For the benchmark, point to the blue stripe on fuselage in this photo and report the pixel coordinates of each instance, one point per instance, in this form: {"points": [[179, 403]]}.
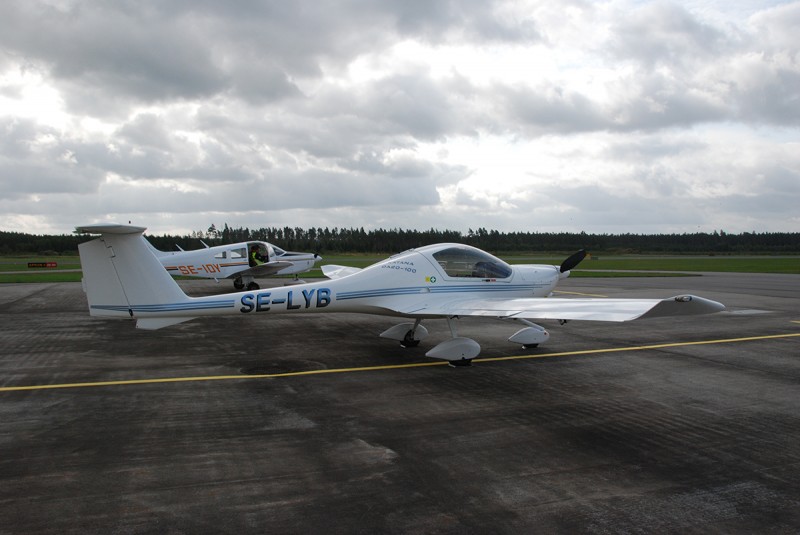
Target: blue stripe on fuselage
{"points": [[169, 307], [415, 290]]}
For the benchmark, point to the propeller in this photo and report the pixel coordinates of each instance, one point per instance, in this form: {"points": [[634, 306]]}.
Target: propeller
{"points": [[572, 261]]}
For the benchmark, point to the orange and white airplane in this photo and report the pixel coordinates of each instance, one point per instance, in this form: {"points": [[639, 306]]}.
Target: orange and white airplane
{"points": [[243, 262]]}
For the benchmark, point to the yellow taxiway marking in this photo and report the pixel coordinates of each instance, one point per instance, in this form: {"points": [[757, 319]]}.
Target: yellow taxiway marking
{"points": [[388, 367], [642, 348]]}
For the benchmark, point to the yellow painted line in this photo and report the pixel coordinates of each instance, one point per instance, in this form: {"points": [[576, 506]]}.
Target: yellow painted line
{"points": [[641, 348], [578, 293], [388, 367], [218, 377]]}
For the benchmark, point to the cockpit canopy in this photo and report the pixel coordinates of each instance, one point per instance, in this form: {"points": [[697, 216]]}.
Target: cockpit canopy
{"points": [[464, 261]]}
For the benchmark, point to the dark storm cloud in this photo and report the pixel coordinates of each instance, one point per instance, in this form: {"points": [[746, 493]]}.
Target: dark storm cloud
{"points": [[155, 51], [411, 104], [124, 50], [275, 192], [550, 110], [659, 101], [110, 53], [146, 130], [665, 34], [478, 19], [19, 135], [773, 94], [35, 161], [690, 72]]}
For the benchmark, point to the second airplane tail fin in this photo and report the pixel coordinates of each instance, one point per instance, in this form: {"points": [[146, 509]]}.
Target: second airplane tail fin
{"points": [[157, 252]]}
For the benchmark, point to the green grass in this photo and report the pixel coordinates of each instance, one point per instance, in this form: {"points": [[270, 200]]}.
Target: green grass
{"points": [[20, 263], [41, 277], [596, 266], [744, 264]]}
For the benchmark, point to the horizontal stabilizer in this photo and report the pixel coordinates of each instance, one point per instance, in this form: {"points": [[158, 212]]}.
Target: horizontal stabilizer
{"points": [[333, 271], [110, 228]]}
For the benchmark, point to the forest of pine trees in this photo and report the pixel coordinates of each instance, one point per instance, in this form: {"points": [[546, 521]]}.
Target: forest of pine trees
{"points": [[388, 241]]}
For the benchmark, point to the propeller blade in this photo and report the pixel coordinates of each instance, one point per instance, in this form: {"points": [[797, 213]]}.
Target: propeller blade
{"points": [[572, 261]]}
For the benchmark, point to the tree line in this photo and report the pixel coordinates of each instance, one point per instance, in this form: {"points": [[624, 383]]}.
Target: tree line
{"points": [[387, 241]]}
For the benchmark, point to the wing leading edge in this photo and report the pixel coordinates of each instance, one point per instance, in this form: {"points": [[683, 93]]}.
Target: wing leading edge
{"points": [[567, 309]]}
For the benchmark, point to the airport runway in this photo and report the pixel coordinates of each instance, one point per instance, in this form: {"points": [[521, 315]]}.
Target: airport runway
{"points": [[684, 425]]}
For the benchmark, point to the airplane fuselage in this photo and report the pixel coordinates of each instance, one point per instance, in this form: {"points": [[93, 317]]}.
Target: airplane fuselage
{"points": [[408, 292], [408, 282], [228, 261]]}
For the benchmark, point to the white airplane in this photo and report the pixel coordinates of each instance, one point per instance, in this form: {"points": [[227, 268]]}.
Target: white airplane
{"points": [[235, 261], [122, 279]]}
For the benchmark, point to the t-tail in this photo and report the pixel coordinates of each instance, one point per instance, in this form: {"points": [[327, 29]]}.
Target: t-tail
{"points": [[122, 278]]}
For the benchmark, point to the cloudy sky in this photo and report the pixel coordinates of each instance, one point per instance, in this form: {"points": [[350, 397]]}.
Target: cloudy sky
{"points": [[605, 117]]}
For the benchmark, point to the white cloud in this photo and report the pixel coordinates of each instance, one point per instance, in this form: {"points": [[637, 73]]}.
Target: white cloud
{"points": [[620, 116]]}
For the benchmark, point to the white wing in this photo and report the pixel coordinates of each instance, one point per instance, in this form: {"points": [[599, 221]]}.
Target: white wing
{"points": [[564, 309]]}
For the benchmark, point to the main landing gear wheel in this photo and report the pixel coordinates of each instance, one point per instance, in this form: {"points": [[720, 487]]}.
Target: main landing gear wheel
{"points": [[409, 341], [253, 286], [459, 363], [529, 346], [238, 284]]}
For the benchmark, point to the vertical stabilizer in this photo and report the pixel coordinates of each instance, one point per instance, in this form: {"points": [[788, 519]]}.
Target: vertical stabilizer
{"points": [[121, 275]]}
